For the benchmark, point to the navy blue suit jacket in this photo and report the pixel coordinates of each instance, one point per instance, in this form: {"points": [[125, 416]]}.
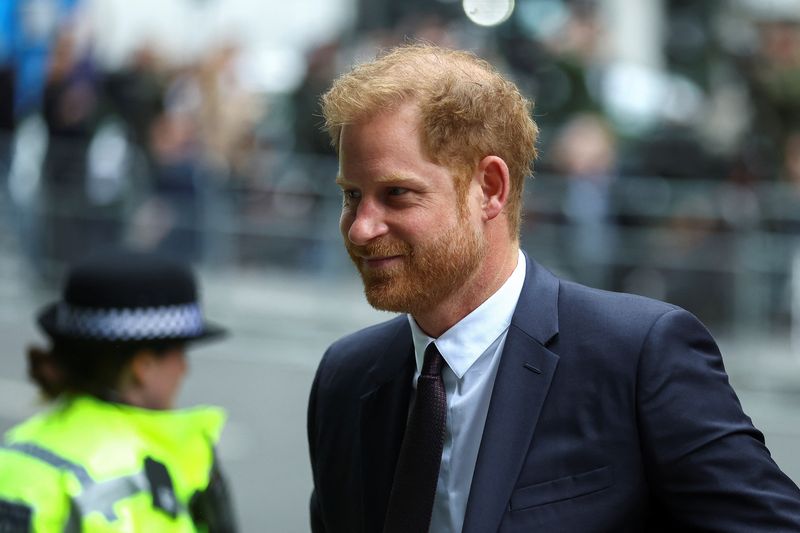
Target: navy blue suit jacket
{"points": [[610, 413]]}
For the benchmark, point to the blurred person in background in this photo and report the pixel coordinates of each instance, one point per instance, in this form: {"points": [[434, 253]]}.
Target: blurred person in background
{"points": [[71, 110], [505, 398], [112, 453], [135, 91], [170, 217], [309, 138], [584, 152]]}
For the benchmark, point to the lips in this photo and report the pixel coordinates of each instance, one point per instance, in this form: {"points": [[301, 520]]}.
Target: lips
{"points": [[381, 261]]}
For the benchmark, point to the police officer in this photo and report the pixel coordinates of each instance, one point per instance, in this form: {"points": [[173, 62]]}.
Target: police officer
{"points": [[111, 453]]}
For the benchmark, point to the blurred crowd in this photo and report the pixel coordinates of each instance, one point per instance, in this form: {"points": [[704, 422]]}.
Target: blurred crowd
{"points": [[154, 152], [150, 138]]}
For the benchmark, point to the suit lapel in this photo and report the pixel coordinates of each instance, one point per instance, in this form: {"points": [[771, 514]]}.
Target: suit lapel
{"points": [[520, 388], [384, 411]]}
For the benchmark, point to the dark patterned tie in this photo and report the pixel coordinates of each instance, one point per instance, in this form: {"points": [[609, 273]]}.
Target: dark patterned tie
{"points": [[414, 487]]}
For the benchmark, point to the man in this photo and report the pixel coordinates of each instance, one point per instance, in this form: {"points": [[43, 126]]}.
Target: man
{"points": [[565, 408]]}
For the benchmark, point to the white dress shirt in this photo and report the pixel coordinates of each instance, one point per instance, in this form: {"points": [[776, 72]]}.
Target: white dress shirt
{"points": [[471, 349]]}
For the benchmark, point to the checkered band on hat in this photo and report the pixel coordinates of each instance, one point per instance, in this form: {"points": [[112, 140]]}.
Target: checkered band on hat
{"points": [[147, 323]]}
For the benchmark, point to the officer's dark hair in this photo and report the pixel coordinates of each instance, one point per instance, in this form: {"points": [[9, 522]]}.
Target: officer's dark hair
{"points": [[85, 367]]}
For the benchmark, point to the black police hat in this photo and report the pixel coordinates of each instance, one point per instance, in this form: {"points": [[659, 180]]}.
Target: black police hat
{"points": [[128, 297]]}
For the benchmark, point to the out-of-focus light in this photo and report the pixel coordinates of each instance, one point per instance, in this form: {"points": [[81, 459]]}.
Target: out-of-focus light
{"points": [[29, 148], [271, 70], [639, 97], [488, 12], [108, 158]]}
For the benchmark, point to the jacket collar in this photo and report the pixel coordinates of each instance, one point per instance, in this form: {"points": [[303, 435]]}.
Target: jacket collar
{"points": [[537, 309]]}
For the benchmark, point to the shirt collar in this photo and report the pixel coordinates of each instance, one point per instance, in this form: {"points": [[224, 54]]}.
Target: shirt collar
{"points": [[469, 338]]}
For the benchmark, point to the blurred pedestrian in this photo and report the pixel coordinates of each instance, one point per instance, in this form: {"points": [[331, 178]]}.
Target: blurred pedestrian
{"points": [[504, 398], [112, 453], [585, 153]]}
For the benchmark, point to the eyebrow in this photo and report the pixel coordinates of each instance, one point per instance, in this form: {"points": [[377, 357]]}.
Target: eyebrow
{"points": [[393, 178]]}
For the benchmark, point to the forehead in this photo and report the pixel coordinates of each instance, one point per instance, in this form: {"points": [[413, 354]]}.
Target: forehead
{"points": [[395, 126], [384, 147]]}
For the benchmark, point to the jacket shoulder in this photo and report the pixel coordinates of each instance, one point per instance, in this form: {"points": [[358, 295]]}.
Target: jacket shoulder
{"points": [[360, 350], [613, 328], [581, 300]]}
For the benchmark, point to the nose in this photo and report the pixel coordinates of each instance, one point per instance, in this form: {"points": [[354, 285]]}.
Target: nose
{"points": [[365, 224]]}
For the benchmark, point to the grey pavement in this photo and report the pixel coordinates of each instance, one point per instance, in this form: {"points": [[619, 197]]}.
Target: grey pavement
{"points": [[281, 323]]}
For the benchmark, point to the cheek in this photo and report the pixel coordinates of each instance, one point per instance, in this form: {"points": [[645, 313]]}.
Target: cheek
{"points": [[345, 221], [183, 366], [175, 372]]}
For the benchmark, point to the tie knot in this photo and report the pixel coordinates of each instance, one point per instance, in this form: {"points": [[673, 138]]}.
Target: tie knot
{"points": [[433, 362]]}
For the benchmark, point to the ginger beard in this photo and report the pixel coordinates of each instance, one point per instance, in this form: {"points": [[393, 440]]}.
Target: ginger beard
{"points": [[429, 272]]}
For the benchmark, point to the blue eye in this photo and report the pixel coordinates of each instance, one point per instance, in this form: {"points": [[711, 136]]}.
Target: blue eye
{"points": [[397, 191]]}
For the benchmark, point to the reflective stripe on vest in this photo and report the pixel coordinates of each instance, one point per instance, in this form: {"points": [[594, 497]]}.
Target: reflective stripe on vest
{"points": [[96, 496], [54, 460]]}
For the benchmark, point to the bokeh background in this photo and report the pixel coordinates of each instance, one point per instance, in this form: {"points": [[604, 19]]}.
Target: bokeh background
{"points": [[670, 167]]}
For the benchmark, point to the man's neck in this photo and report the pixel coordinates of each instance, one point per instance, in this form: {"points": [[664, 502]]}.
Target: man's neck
{"points": [[485, 281]]}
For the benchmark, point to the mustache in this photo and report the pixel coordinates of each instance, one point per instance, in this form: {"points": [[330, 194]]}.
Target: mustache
{"points": [[380, 248]]}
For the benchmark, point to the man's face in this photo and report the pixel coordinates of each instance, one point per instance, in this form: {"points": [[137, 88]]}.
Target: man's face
{"points": [[401, 219]]}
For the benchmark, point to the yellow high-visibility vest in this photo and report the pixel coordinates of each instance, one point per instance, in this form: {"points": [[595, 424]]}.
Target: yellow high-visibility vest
{"points": [[94, 466]]}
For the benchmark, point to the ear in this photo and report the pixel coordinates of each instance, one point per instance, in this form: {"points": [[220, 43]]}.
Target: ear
{"points": [[495, 182]]}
